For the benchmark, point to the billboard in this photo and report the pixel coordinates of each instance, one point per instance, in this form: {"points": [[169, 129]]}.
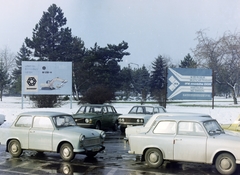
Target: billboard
{"points": [[46, 78], [189, 84]]}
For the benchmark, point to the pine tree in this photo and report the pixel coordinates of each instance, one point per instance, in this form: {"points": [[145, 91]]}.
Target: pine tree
{"points": [[158, 80], [188, 62], [50, 41], [22, 55]]}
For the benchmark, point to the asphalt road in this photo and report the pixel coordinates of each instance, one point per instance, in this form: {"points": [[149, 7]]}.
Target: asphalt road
{"points": [[113, 161]]}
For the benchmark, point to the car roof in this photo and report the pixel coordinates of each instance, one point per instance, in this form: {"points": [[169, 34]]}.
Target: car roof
{"points": [[183, 116], [96, 105], [44, 113], [148, 106]]}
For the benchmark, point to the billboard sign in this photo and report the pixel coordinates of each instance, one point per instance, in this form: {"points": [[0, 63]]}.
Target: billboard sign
{"points": [[189, 84], [46, 78]]}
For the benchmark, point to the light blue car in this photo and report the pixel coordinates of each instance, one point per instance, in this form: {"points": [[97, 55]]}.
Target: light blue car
{"points": [[51, 132]]}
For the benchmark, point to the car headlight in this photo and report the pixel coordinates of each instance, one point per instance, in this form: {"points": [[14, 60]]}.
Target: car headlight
{"points": [[103, 135], [140, 120], [82, 137], [88, 120], [121, 120]]}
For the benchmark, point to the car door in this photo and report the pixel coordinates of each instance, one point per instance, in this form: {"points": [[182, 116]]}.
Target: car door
{"points": [[106, 118], [190, 142], [40, 135]]}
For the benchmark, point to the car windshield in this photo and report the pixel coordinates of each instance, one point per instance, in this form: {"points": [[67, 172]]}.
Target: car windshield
{"points": [[212, 127], [64, 120]]}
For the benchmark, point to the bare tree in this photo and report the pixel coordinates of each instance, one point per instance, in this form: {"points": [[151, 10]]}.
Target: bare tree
{"points": [[222, 56], [8, 59]]}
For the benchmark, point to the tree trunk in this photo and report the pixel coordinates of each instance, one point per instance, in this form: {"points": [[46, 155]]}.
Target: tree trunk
{"points": [[234, 96]]}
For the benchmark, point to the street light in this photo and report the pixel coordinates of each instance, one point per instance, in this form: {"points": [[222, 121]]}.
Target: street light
{"points": [[133, 64]]}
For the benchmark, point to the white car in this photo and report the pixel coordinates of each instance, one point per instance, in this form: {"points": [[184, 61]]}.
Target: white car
{"points": [[138, 115], [2, 119], [45, 131], [186, 138], [147, 126]]}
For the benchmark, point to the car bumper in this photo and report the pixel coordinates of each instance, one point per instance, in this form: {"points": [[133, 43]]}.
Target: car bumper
{"points": [[125, 125], [97, 148]]}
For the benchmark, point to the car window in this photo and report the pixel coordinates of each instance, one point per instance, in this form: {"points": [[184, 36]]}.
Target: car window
{"points": [[165, 127], [161, 110], [190, 128], [149, 110], [110, 109], [64, 120], [42, 122], [156, 110], [104, 109], [24, 121], [140, 110]]}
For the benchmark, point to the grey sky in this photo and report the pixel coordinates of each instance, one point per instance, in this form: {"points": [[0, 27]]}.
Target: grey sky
{"points": [[150, 27]]}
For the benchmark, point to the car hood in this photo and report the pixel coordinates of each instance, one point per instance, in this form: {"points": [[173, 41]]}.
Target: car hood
{"points": [[86, 115], [134, 115], [79, 130]]}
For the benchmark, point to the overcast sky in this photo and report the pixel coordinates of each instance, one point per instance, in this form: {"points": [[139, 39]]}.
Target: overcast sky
{"points": [[150, 27]]}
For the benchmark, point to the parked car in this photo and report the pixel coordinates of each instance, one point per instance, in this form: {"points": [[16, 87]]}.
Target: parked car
{"points": [[235, 126], [2, 119], [138, 115], [189, 139], [147, 126], [51, 132], [98, 116]]}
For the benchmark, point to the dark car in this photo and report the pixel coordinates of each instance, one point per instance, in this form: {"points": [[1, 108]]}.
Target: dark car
{"points": [[98, 116]]}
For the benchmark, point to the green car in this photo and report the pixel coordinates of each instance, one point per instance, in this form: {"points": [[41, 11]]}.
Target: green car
{"points": [[97, 116]]}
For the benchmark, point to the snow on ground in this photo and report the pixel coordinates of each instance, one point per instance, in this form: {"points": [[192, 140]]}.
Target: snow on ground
{"points": [[12, 106]]}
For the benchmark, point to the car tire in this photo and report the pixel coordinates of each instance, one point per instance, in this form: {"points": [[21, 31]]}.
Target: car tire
{"points": [[225, 163], [154, 158], [115, 126], [122, 129], [91, 154], [98, 125], [14, 148], [66, 152]]}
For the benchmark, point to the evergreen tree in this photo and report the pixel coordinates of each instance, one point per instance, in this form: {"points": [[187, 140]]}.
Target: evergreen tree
{"points": [[4, 79], [100, 67], [141, 81], [22, 55], [158, 80], [188, 62], [50, 41]]}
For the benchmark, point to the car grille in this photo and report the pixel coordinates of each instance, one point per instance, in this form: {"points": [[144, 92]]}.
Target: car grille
{"points": [[130, 120], [92, 141], [79, 120]]}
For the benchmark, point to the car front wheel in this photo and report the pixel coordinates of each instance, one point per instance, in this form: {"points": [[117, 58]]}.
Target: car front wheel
{"points": [[154, 158], [14, 148], [225, 163], [66, 152]]}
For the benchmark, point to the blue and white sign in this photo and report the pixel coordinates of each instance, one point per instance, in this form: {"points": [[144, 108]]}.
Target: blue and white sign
{"points": [[189, 84], [46, 78]]}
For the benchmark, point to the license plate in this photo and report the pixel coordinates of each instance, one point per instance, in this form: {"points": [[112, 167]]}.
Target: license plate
{"points": [[95, 149]]}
